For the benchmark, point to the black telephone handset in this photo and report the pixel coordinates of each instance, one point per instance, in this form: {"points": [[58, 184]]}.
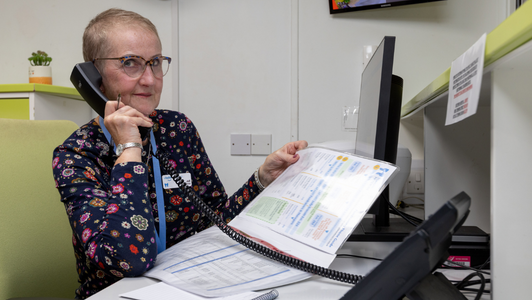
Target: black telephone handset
{"points": [[87, 80]]}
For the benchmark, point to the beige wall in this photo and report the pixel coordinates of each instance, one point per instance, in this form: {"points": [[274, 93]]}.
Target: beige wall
{"points": [[56, 26], [282, 67]]}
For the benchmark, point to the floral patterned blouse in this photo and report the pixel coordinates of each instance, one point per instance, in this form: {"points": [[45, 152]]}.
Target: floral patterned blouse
{"points": [[113, 209]]}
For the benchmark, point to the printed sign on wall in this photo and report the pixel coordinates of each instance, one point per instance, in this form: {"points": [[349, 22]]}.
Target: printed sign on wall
{"points": [[465, 82]]}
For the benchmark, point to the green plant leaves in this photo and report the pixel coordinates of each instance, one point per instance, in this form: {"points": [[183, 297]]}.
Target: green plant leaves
{"points": [[40, 58]]}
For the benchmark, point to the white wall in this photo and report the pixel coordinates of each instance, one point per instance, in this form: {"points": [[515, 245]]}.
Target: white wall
{"points": [[429, 37], [235, 76], [56, 27], [241, 61], [283, 67]]}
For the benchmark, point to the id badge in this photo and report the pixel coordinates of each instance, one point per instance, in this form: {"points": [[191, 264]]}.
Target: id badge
{"points": [[169, 183]]}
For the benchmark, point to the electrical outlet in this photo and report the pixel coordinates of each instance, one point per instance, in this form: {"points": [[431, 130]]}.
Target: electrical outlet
{"points": [[416, 182], [240, 144], [261, 144]]}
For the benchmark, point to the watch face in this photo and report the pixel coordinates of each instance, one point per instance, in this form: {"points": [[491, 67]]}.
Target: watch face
{"points": [[119, 149]]}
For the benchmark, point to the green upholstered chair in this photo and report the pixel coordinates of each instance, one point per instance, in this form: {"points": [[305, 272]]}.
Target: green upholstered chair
{"points": [[36, 254]]}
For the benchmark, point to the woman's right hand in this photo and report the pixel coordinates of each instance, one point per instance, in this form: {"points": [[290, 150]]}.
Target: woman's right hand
{"points": [[122, 124]]}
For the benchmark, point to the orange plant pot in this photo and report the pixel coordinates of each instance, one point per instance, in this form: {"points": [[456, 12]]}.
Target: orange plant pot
{"points": [[40, 74]]}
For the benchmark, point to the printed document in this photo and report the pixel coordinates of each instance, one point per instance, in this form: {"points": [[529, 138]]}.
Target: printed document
{"points": [[308, 213], [465, 82], [319, 200], [211, 264]]}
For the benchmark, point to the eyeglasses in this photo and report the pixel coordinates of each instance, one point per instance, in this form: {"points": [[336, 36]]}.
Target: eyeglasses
{"points": [[134, 66]]}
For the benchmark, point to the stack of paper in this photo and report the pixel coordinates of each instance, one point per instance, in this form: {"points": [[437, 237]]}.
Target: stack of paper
{"points": [[307, 213]]}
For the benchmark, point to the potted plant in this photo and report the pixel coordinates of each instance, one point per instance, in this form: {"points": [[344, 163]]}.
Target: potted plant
{"points": [[40, 70]]}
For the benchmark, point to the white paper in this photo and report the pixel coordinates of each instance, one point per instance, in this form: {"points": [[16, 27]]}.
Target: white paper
{"points": [[464, 83], [282, 243], [307, 213], [320, 200], [163, 291], [211, 264]]}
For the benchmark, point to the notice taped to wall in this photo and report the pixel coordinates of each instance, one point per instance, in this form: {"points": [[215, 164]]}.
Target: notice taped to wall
{"points": [[464, 83]]}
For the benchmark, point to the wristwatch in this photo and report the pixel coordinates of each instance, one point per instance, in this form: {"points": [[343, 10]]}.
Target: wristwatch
{"points": [[121, 147]]}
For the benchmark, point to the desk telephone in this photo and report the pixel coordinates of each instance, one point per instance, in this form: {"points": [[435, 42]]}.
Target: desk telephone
{"points": [[87, 81]]}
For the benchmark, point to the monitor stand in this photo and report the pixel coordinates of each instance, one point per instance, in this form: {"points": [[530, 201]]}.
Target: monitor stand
{"points": [[381, 228], [366, 231]]}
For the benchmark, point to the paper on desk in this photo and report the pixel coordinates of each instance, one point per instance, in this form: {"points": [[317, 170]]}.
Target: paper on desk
{"points": [[319, 200], [211, 264], [163, 291], [308, 213], [282, 243]]}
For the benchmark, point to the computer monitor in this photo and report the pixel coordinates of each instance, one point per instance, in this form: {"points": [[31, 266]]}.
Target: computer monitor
{"points": [[378, 135], [342, 6], [408, 270]]}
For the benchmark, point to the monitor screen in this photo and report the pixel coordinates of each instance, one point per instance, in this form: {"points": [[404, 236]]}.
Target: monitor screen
{"points": [[378, 133], [379, 106], [341, 6], [369, 96]]}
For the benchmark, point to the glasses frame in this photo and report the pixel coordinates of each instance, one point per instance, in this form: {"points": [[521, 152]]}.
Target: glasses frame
{"points": [[146, 62]]}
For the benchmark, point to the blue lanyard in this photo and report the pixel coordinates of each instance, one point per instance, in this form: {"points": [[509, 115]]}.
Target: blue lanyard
{"points": [[161, 236]]}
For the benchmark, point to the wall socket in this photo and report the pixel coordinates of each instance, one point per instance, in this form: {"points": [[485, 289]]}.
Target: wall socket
{"points": [[240, 144], [416, 182]]}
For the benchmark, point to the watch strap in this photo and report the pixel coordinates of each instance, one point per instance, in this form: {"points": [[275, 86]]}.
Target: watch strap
{"points": [[121, 147]]}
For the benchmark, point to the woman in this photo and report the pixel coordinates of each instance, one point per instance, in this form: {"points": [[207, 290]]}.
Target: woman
{"points": [[111, 196]]}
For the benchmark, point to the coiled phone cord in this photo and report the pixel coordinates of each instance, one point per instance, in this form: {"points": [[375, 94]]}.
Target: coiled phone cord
{"points": [[216, 219]]}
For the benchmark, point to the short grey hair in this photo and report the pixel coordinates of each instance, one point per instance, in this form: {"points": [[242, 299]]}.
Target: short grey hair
{"points": [[95, 37]]}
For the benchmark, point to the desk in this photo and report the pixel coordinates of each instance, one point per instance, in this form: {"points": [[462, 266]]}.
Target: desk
{"points": [[314, 288], [481, 155]]}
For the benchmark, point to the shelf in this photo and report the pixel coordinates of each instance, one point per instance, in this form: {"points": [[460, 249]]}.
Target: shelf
{"points": [[513, 32], [43, 88]]}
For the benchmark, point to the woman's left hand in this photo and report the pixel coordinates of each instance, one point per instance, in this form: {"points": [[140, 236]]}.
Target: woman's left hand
{"points": [[278, 161]]}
